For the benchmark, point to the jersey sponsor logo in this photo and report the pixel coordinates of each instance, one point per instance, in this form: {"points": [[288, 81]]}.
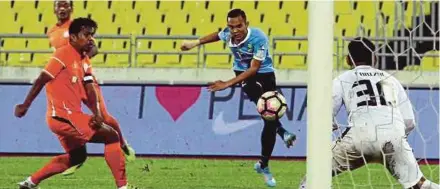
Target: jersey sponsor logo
{"points": [[86, 67], [250, 48], [220, 127], [260, 53]]}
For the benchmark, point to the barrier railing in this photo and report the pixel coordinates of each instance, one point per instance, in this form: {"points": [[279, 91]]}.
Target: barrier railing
{"points": [[339, 50]]}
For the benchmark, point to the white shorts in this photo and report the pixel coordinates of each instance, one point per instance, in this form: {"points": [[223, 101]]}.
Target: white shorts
{"points": [[389, 148]]}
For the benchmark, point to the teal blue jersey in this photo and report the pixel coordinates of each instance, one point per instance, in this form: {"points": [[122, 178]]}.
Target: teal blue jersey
{"points": [[254, 46]]}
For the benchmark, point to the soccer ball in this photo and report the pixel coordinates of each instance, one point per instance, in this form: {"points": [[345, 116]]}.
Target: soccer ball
{"points": [[271, 105]]}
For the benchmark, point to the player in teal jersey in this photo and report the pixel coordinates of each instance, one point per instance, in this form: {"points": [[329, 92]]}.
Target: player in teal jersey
{"points": [[253, 67]]}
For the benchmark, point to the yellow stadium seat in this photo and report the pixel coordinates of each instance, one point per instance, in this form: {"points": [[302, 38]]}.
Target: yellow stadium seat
{"points": [[177, 22], [292, 62], [3, 61], [122, 6], [7, 14], [345, 26], [219, 61], [169, 6], [162, 18], [431, 61], [24, 6], [44, 6], [5, 6], [146, 7], [143, 60], [41, 59], [11, 27], [219, 6], [273, 5], [220, 10], [191, 61], [194, 6], [343, 7], [299, 7], [246, 6]]}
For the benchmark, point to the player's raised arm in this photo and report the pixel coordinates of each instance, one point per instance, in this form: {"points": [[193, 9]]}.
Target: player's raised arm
{"points": [[189, 44], [51, 70]]}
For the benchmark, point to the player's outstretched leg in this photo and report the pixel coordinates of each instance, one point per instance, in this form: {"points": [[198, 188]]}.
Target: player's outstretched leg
{"points": [[112, 153], [288, 137], [254, 92], [57, 165]]}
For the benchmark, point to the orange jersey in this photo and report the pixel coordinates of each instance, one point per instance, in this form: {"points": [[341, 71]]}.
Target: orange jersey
{"points": [[59, 35], [66, 90]]}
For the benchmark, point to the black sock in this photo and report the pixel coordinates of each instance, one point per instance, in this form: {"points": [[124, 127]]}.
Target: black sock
{"points": [[281, 131], [268, 138], [264, 162]]}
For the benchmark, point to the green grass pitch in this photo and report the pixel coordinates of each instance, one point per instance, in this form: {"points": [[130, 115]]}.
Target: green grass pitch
{"points": [[167, 173]]}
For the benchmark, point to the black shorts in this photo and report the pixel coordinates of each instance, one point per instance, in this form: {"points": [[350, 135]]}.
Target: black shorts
{"points": [[258, 84]]}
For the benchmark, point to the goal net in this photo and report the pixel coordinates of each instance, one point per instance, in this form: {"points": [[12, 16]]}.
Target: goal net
{"points": [[406, 36]]}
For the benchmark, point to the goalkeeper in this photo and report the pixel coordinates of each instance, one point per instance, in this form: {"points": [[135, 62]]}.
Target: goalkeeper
{"points": [[380, 118]]}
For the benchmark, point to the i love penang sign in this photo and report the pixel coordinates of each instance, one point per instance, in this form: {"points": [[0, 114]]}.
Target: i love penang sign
{"points": [[189, 120]]}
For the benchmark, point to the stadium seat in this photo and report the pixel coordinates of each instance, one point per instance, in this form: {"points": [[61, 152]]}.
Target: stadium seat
{"points": [[430, 62], [187, 18]]}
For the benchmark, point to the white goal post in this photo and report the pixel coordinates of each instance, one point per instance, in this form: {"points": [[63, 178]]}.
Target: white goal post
{"points": [[319, 94]]}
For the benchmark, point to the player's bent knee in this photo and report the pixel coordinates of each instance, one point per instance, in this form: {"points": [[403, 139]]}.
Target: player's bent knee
{"points": [[78, 156], [105, 134], [109, 134]]}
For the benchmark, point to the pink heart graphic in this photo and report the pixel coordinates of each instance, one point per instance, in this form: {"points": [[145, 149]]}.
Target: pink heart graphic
{"points": [[176, 100]]}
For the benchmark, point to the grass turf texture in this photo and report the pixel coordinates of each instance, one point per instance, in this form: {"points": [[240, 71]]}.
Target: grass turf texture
{"points": [[192, 173]]}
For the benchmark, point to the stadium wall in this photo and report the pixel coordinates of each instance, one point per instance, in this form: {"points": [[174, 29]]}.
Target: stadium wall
{"points": [[159, 118]]}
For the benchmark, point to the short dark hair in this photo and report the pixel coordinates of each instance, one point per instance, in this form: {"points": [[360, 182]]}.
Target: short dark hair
{"points": [[78, 23], [236, 13], [55, 3], [361, 50]]}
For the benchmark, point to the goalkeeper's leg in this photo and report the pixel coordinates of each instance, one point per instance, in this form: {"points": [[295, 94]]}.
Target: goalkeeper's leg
{"points": [[401, 163], [345, 157]]}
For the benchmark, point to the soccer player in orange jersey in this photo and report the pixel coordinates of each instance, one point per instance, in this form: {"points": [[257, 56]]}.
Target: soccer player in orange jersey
{"points": [[59, 37], [67, 83]]}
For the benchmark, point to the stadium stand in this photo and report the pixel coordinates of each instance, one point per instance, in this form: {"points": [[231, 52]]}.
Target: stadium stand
{"points": [[196, 18]]}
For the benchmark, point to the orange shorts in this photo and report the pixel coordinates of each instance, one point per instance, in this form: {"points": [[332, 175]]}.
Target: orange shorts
{"points": [[73, 130]]}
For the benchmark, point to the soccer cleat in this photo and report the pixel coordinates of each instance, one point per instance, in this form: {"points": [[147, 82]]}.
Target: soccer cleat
{"points": [[71, 170], [268, 178], [130, 154], [289, 139], [302, 185], [27, 184]]}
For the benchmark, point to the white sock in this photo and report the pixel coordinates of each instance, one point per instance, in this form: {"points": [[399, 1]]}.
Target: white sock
{"points": [[29, 180], [123, 187], [303, 184], [429, 185]]}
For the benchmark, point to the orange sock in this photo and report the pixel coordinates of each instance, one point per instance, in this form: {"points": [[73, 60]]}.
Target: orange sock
{"points": [[115, 160], [58, 164]]}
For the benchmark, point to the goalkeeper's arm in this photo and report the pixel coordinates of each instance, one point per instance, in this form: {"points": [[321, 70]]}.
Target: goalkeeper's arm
{"points": [[189, 44], [406, 109], [337, 101]]}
